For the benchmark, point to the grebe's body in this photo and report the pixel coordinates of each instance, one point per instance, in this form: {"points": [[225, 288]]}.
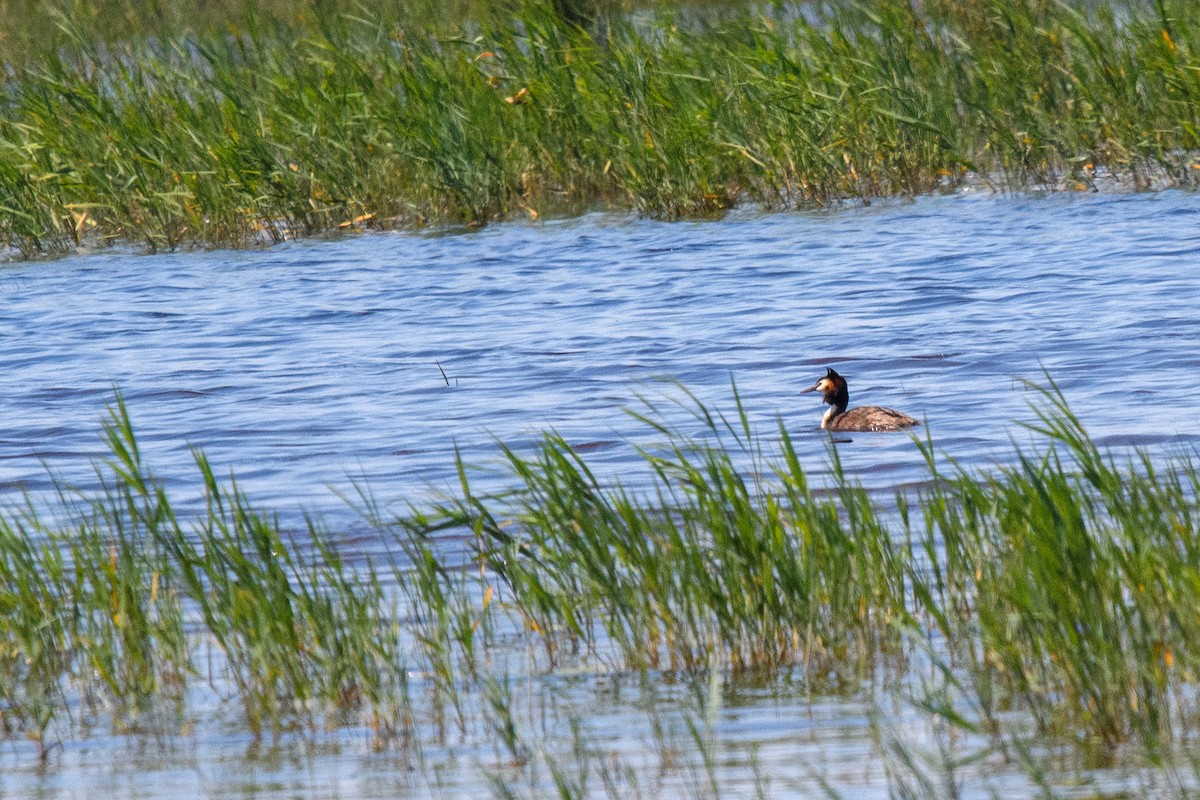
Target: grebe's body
{"points": [[864, 418]]}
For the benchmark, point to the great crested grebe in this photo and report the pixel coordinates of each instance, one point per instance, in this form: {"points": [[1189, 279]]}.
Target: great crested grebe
{"points": [[863, 418]]}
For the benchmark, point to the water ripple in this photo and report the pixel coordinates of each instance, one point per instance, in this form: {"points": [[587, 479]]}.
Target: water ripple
{"points": [[376, 355]]}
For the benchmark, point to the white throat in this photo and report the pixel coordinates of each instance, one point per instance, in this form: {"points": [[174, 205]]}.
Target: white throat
{"points": [[830, 413]]}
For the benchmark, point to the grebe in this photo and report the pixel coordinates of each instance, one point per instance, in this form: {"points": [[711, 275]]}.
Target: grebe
{"points": [[863, 418]]}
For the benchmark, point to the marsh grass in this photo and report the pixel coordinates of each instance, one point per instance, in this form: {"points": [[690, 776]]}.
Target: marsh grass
{"points": [[1067, 582], [1056, 595], [120, 607], [1061, 588], [274, 126], [710, 570]]}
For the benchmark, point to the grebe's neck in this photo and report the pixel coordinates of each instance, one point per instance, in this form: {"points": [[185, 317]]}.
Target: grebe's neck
{"points": [[830, 413], [837, 399]]}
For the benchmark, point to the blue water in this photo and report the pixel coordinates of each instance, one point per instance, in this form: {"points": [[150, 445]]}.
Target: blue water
{"points": [[311, 365], [308, 367]]}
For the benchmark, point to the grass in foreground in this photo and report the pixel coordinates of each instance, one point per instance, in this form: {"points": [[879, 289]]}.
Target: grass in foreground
{"points": [[279, 127], [1059, 593]]}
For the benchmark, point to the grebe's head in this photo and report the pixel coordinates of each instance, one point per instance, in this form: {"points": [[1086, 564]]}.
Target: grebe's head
{"points": [[832, 388]]}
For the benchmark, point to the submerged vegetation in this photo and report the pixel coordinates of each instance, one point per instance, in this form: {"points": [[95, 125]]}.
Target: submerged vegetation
{"points": [[264, 126], [1053, 601]]}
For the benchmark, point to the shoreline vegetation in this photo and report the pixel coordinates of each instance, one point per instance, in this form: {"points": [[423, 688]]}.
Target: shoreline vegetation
{"points": [[131, 125], [1041, 616]]}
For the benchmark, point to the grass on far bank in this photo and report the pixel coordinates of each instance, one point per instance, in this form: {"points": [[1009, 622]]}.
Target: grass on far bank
{"points": [[274, 127]]}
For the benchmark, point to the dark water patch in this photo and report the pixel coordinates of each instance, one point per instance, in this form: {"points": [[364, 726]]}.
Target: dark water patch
{"points": [[593, 447]]}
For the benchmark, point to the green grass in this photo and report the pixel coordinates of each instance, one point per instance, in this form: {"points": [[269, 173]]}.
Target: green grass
{"points": [[107, 608], [1046, 603], [711, 571], [273, 125], [1064, 586], [1078, 577]]}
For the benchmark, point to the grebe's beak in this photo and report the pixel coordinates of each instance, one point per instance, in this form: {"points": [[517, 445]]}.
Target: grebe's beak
{"points": [[812, 388]]}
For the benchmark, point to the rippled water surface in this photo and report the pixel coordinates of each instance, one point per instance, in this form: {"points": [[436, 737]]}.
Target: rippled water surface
{"points": [[303, 365], [307, 367]]}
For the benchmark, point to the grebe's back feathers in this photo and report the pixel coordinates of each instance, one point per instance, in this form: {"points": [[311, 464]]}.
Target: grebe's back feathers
{"points": [[871, 418]]}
